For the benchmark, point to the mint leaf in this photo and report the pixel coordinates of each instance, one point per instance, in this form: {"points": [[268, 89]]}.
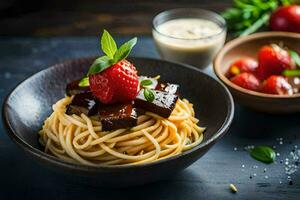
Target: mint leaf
{"points": [[100, 64], [108, 44], [146, 82], [124, 50], [263, 153], [84, 82], [149, 95], [291, 72], [295, 56]]}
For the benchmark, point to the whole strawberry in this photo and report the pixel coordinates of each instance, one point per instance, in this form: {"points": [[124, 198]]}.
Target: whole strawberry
{"points": [[245, 64], [246, 80], [112, 78], [277, 85], [118, 83], [273, 60]]}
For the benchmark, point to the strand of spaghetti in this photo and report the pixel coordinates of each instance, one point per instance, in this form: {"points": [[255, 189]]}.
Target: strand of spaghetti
{"points": [[70, 149], [143, 125], [140, 140], [107, 137], [75, 121], [93, 153], [51, 135], [124, 156], [90, 126], [157, 150], [134, 150], [63, 157], [129, 136]]}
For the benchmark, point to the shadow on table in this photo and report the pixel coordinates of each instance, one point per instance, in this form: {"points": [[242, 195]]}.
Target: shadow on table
{"points": [[251, 124]]}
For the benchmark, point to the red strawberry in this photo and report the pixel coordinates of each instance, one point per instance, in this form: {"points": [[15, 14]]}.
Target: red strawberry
{"points": [[118, 83], [246, 80], [272, 61], [277, 85], [242, 65]]}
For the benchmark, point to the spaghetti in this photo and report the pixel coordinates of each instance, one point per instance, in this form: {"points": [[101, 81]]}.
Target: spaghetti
{"points": [[79, 139]]}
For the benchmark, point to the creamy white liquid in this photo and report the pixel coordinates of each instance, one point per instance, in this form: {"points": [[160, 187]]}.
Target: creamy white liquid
{"points": [[189, 28], [189, 40]]}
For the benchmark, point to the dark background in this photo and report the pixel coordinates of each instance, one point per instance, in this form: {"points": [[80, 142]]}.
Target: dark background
{"points": [[88, 17]]}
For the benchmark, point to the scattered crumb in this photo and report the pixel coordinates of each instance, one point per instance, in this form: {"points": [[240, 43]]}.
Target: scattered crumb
{"points": [[233, 188]]}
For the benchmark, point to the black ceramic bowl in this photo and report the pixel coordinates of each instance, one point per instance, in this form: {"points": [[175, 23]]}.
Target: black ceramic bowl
{"points": [[29, 104]]}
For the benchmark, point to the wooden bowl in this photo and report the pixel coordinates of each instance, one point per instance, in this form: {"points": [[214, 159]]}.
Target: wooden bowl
{"points": [[29, 104], [249, 46]]}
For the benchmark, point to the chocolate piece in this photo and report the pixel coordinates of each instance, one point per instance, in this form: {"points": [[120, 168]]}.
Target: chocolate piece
{"points": [[73, 88], [168, 87], [83, 103], [117, 116], [163, 104]]}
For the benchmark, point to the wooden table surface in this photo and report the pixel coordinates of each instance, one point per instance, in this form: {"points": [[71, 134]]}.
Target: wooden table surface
{"points": [[208, 178], [88, 17]]}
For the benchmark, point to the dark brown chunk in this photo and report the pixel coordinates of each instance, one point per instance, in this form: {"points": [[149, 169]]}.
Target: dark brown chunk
{"points": [[117, 116], [73, 88], [83, 103], [168, 87], [163, 104]]}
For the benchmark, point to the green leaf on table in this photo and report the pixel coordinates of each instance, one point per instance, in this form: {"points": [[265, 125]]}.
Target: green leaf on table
{"points": [[124, 50], [100, 64], [108, 44], [291, 72], [263, 153], [149, 95], [295, 56], [84, 82]]}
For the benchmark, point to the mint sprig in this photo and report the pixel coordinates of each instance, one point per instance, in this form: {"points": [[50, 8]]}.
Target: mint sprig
{"points": [[124, 50], [113, 55], [291, 72], [84, 82], [100, 64], [146, 82], [295, 56], [108, 44], [149, 95]]}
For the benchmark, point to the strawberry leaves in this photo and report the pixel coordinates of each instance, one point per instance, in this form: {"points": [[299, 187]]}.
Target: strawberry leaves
{"points": [[84, 82], [124, 50], [100, 64], [108, 44], [113, 55]]}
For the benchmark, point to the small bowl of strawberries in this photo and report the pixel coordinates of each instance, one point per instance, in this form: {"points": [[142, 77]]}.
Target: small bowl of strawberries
{"points": [[262, 71]]}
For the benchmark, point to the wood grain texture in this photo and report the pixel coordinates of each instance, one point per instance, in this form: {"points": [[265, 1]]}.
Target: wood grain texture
{"points": [[53, 18], [208, 178]]}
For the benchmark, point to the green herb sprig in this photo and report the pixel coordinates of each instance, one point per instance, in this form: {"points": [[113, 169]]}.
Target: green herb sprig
{"points": [[149, 95], [247, 16], [293, 72], [146, 82], [113, 55], [264, 154]]}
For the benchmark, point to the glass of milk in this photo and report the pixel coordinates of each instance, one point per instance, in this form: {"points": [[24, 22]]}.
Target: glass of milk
{"points": [[189, 35]]}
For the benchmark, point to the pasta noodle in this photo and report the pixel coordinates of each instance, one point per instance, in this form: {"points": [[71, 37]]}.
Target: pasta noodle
{"points": [[79, 139]]}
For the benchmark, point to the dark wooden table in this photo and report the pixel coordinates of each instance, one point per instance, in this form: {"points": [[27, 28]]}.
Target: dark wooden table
{"points": [[88, 17], [208, 178]]}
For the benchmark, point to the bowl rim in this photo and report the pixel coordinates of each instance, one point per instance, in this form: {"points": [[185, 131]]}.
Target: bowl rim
{"points": [[85, 168], [201, 11], [240, 40]]}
